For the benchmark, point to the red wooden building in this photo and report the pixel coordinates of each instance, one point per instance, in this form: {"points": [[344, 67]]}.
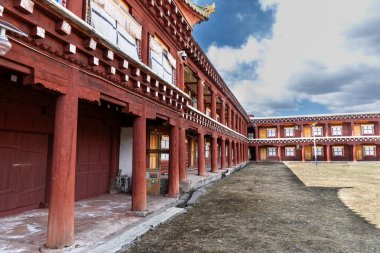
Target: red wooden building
{"points": [[101, 88], [338, 137]]}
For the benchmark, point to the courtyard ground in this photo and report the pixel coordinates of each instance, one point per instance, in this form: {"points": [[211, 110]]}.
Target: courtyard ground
{"points": [[359, 183], [264, 208]]}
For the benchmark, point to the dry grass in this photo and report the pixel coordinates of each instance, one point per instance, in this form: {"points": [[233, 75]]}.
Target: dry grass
{"points": [[362, 179]]}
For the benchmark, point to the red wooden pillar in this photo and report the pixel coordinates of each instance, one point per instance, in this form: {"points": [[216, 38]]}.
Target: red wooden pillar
{"points": [[278, 131], [223, 155], [223, 112], [180, 76], [352, 125], [182, 155], [201, 155], [328, 151], [257, 153], [139, 164], [327, 132], [214, 154], [279, 153], [173, 188], [229, 117], [354, 153], [303, 153], [200, 99], [114, 162], [229, 153], [62, 194], [236, 153], [213, 105]]}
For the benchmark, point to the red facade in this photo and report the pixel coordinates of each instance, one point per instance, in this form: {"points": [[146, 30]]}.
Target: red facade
{"points": [[78, 96], [338, 137]]}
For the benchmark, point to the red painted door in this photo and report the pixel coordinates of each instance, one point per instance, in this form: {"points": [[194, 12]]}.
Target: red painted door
{"points": [[93, 158], [23, 162]]}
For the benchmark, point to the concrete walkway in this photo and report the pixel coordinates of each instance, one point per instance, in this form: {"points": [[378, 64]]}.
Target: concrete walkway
{"points": [[264, 208], [99, 222]]}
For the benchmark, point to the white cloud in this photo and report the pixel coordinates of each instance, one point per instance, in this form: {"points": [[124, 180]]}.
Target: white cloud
{"points": [[320, 50]]}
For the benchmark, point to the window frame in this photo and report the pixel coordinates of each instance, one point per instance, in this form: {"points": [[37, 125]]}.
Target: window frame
{"points": [[272, 151], [317, 128], [320, 151], [293, 149], [335, 149], [340, 127], [271, 130], [373, 151], [292, 132], [363, 126]]}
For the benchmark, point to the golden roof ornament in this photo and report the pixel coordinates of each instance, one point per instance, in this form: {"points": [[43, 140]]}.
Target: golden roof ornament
{"points": [[210, 9]]}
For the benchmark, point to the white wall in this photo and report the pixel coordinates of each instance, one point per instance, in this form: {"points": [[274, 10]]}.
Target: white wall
{"points": [[126, 148]]}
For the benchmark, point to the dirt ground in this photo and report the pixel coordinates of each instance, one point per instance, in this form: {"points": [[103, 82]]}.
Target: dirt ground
{"points": [[264, 208], [360, 184]]}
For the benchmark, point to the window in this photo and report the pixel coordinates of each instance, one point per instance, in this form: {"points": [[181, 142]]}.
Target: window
{"points": [[289, 151], [271, 132], [317, 131], [272, 151], [165, 146], [319, 151], [161, 61], [369, 150], [207, 149], [336, 130], [367, 129], [113, 20], [338, 151], [208, 111], [289, 131]]}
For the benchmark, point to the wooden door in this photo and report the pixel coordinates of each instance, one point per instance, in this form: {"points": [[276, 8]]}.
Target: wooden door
{"points": [[359, 153], [93, 157], [308, 155], [262, 133], [153, 145], [193, 158], [357, 130], [307, 131], [263, 154], [23, 163]]}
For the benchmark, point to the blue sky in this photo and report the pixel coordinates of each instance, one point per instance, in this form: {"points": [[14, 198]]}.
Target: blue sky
{"points": [[296, 56]]}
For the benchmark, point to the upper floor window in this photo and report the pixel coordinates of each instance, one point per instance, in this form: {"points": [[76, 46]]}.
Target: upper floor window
{"points": [[208, 111], [289, 131], [318, 151], [207, 149], [271, 132], [368, 129], [161, 61], [113, 20], [369, 150], [165, 146], [317, 131], [338, 151], [251, 135], [289, 151], [336, 130], [272, 151]]}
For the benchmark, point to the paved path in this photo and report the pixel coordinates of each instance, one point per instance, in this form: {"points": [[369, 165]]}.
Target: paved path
{"points": [[264, 208]]}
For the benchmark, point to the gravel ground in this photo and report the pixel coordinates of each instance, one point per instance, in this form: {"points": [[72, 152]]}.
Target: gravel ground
{"points": [[264, 208]]}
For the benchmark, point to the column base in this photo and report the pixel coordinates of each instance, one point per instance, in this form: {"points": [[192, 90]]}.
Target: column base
{"points": [[136, 213], [172, 195], [45, 249]]}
